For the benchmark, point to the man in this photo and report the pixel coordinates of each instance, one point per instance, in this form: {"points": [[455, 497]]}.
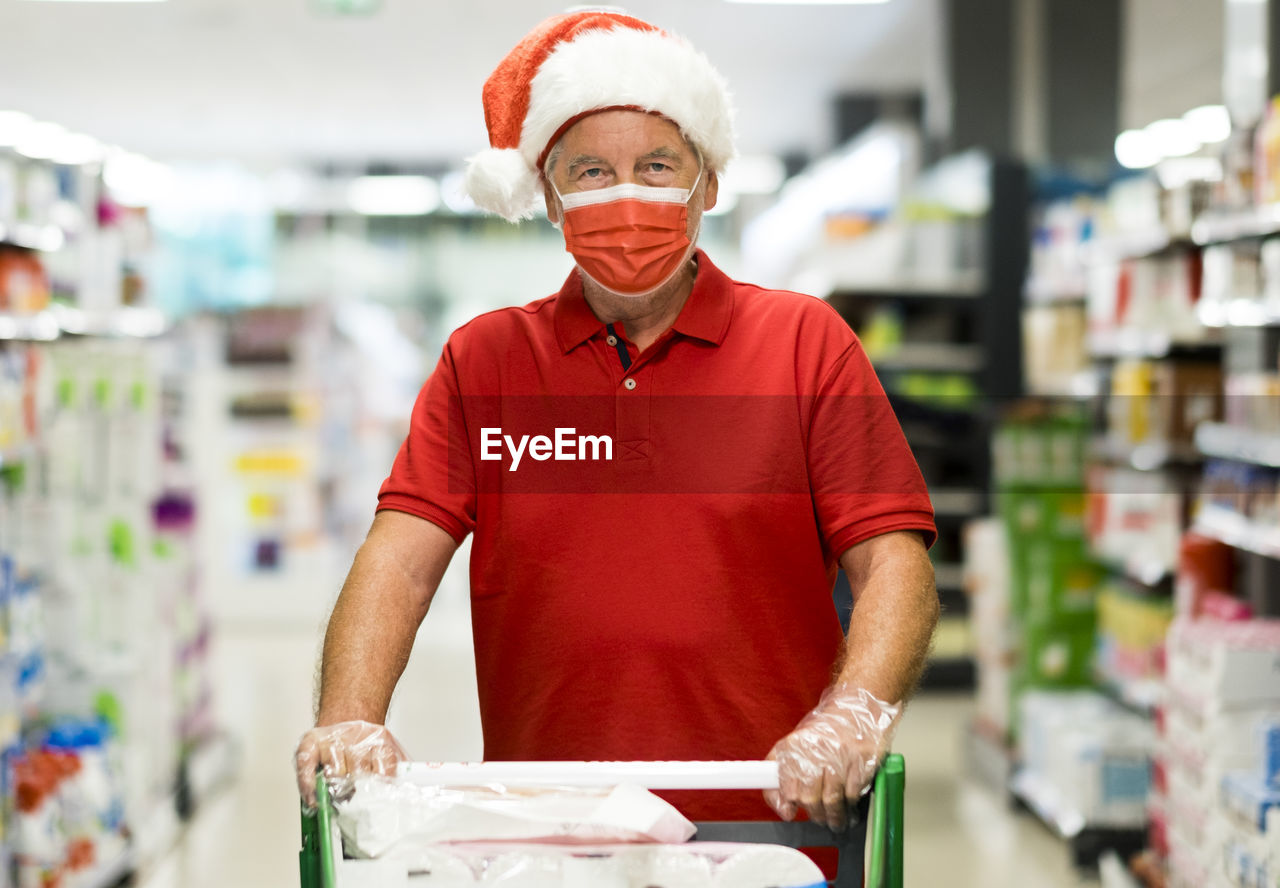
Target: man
{"points": [[653, 578]]}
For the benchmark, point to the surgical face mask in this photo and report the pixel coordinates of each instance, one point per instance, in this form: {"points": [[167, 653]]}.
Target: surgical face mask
{"points": [[629, 239]]}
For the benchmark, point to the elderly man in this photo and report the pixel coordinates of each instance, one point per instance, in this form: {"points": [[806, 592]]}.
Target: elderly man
{"points": [[662, 469]]}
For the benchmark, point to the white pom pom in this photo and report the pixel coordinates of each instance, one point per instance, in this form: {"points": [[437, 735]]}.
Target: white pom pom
{"points": [[501, 181]]}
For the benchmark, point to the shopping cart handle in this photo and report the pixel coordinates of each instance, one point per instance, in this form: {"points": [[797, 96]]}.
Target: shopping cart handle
{"points": [[650, 775]]}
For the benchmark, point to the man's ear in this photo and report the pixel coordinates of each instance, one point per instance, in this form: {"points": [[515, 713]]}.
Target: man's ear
{"points": [[549, 197], [712, 192]]}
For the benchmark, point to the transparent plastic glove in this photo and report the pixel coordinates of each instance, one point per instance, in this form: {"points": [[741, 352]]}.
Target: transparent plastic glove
{"points": [[344, 750], [829, 760]]}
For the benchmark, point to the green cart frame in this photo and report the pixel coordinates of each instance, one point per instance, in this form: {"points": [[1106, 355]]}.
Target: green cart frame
{"points": [[880, 813]]}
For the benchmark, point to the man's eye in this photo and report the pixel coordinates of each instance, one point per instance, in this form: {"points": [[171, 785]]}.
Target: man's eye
{"points": [[592, 173], [657, 167]]}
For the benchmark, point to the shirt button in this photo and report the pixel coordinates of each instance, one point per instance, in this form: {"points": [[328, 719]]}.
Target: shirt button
{"points": [[630, 384], [612, 340]]}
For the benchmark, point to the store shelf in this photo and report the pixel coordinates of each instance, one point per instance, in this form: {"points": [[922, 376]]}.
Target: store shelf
{"points": [[1131, 342], [1084, 385], [930, 357], [1146, 457], [61, 320], [115, 872], [842, 273], [957, 501], [1140, 696], [987, 758], [45, 238], [40, 327], [1139, 244], [1217, 228], [1238, 443], [1142, 570], [208, 769], [949, 674], [1046, 803], [127, 321], [1047, 292], [1235, 530], [1238, 312]]}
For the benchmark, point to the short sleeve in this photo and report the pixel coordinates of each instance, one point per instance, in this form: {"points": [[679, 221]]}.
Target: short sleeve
{"points": [[864, 478], [433, 477]]}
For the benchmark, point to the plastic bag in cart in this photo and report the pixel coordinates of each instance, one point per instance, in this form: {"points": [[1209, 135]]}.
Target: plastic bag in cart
{"points": [[383, 813]]}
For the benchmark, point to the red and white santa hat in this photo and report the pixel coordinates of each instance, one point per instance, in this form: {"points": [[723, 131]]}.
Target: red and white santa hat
{"points": [[575, 64]]}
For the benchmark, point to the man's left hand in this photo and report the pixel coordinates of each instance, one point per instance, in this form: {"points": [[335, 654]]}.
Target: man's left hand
{"points": [[825, 764]]}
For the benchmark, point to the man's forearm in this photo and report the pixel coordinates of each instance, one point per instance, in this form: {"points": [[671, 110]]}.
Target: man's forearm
{"points": [[894, 615], [376, 618]]}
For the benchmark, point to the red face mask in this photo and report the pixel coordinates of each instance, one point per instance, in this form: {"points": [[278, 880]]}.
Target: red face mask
{"points": [[629, 239]]}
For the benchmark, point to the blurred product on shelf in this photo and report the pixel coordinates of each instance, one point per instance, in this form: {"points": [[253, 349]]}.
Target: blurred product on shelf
{"points": [[1135, 520], [24, 285], [1222, 706], [68, 808], [1129, 658], [1084, 759], [1206, 571], [1159, 404], [1055, 358], [1038, 460], [104, 670], [987, 585]]}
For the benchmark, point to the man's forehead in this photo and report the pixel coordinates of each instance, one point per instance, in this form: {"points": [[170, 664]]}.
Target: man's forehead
{"points": [[641, 131]]}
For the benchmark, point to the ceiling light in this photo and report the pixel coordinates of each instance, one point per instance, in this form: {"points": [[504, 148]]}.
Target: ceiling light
{"points": [[1172, 138], [76, 148], [1136, 150], [811, 2], [1209, 123], [134, 180], [1178, 171], [13, 126], [393, 195], [41, 140]]}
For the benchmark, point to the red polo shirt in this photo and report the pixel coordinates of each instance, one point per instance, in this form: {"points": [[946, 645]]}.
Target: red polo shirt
{"points": [[665, 595]]}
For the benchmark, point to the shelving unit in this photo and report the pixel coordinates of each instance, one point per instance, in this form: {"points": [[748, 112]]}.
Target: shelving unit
{"points": [[973, 316], [1087, 841], [1238, 443], [1237, 531]]}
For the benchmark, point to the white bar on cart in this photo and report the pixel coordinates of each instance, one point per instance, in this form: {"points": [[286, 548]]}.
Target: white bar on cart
{"points": [[650, 775]]}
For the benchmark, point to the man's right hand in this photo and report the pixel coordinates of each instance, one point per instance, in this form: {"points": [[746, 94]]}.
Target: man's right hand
{"points": [[345, 749]]}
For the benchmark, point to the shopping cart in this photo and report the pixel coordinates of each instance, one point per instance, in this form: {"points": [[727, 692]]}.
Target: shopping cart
{"points": [[880, 814]]}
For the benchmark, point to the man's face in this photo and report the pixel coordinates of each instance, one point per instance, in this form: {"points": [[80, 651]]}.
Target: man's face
{"points": [[620, 147]]}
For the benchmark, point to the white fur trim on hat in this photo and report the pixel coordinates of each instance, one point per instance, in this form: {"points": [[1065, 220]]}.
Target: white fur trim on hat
{"points": [[624, 66], [603, 68], [501, 181]]}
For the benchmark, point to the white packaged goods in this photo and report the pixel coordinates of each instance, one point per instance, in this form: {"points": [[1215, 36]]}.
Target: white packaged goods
{"points": [[1223, 705], [385, 815], [696, 865], [1218, 665], [1093, 756]]}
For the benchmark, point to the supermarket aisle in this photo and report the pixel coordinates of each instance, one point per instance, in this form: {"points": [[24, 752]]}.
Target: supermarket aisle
{"points": [[958, 834]]}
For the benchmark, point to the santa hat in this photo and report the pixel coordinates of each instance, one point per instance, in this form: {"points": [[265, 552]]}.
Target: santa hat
{"points": [[572, 65]]}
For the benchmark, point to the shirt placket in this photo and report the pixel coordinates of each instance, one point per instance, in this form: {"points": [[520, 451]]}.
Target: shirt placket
{"points": [[633, 389]]}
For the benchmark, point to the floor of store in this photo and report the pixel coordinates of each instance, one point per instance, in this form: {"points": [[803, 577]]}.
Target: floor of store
{"points": [[957, 832]]}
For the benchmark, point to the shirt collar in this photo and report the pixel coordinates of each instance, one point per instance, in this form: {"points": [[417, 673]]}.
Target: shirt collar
{"points": [[705, 315]]}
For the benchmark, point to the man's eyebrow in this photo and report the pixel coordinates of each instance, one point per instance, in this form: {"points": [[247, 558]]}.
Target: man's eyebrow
{"points": [[579, 159], [668, 153]]}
